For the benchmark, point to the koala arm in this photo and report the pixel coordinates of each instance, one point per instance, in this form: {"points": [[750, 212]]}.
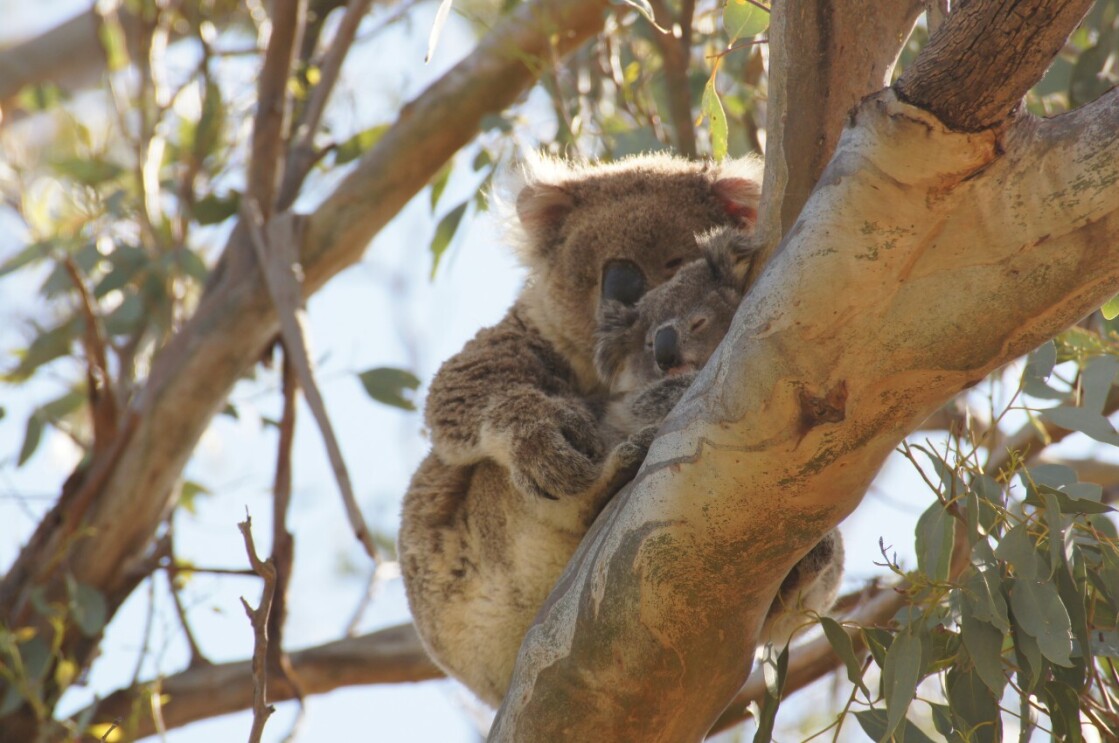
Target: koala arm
{"points": [[509, 396]]}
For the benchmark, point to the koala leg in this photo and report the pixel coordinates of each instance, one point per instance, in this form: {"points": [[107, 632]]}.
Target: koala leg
{"points": [[811, 585]]}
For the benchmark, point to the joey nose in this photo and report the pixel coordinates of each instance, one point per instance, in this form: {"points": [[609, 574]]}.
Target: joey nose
{"points": [[666, 348]]}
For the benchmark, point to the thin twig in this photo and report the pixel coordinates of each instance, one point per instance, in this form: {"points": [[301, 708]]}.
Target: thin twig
{"points": [[302, 154], [259, 619], [278, 262], [283, 544]]}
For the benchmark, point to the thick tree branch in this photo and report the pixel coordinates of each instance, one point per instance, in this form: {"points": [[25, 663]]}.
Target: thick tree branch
{"points": [[824, 58], [792, 418], [952, 77], [388, 656]]}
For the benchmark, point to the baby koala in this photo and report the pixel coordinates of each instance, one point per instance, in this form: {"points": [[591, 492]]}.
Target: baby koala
{"points": [[649, 353]]}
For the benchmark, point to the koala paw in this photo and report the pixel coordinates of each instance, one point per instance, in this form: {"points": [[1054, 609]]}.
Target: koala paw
{"points": [[557, 455], [628, 456]]}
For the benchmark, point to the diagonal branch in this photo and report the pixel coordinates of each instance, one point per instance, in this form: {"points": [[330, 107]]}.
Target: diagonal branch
{"points": [[951, 79]]}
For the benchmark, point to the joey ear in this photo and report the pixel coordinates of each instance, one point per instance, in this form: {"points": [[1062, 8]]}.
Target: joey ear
{"points": [[740, 198], [730, 253], [542, 208]]}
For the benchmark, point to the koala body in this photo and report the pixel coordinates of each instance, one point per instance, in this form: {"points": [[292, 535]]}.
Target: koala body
{"points": [[649, 354], [521, 462]]}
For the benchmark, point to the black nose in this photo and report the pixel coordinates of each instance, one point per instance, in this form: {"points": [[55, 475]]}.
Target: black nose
{"points": [[666, 348]]}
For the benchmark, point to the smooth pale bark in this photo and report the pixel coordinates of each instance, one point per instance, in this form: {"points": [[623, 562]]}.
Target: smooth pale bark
{"points": [[924, 260], [824, 59]]}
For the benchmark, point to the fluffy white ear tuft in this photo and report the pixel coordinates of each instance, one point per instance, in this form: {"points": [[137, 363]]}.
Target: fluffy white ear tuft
{"points": [[740, 198]]}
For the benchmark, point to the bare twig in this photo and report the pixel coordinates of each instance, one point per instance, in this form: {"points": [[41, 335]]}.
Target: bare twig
{"points": [[269, 126], [259, 618], [283, 544], [277, 255], [676, 57], [302, 154]]}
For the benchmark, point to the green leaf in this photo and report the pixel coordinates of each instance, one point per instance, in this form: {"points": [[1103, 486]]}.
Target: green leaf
{"points": [[1087, 422], [936, 537], [356, 146], [1038, 368], [900, 675], [444, 231], [773, 670], [87, 171], [874, 723], [1110, 310], [126, 317], [984, 645], [1064, 711], [34, 252], [1028, 658], [742, 19], [1096, 378], [439, 183], [388, 386], [982, 596], [645, 8], [214, 209], [878, 642], [46, 347], [974, 707], [1039, 611], [1020, 550], [712, 109], [845, 649], [87, 606], [189, 493], [31, 438], [113, 42]]}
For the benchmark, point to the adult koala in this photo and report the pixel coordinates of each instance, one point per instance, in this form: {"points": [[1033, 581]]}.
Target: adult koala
{"points": [[519, 465]]}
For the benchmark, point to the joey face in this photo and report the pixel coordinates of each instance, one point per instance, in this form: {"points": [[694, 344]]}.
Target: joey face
{"points": [[675, 327]]}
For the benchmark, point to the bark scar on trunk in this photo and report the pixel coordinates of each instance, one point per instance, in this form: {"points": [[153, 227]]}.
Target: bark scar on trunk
{"points": [[831, 407]]}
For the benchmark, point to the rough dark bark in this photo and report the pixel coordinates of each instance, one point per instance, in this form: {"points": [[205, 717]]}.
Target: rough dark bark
{"points": [[952, 77]]}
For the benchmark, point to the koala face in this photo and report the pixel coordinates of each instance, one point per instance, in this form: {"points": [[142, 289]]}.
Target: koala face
{"points": [[611, 233], [675, 327]]}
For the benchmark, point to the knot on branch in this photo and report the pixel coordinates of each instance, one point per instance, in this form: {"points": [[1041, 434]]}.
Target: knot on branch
{"points": [[831, 407]]}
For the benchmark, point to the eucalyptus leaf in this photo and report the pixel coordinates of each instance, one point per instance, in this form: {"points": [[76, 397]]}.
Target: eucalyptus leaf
{"points": [[712, 109], [845, 649], [444, 232], [389, 386], [1039, 611], [936, 530], [900, 675]]}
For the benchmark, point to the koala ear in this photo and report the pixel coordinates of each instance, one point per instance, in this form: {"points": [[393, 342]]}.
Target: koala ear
{"points": [[740, 198], [730, 253], [541, 209]]}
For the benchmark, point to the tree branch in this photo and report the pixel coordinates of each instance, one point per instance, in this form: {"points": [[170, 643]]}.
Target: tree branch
{"points": [[824, 58], [389, 656], [273, 106], [952, 77]]}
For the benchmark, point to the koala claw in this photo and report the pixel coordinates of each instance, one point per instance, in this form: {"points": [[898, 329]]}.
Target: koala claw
{"points": [[556, 459]]}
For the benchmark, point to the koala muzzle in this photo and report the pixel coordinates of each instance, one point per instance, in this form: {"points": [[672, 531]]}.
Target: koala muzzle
{"points": [[666, 348]]}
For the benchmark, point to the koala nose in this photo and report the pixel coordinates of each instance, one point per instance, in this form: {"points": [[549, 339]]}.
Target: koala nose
{"points": [[666, 348]]}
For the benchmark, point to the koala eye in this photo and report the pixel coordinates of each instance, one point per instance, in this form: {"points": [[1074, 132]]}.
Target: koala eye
{"points": [[698, 323], [622, 281], [673, 264]]}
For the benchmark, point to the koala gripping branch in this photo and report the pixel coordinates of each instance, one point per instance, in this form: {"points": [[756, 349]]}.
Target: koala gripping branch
{"points": [[924, 260]]}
